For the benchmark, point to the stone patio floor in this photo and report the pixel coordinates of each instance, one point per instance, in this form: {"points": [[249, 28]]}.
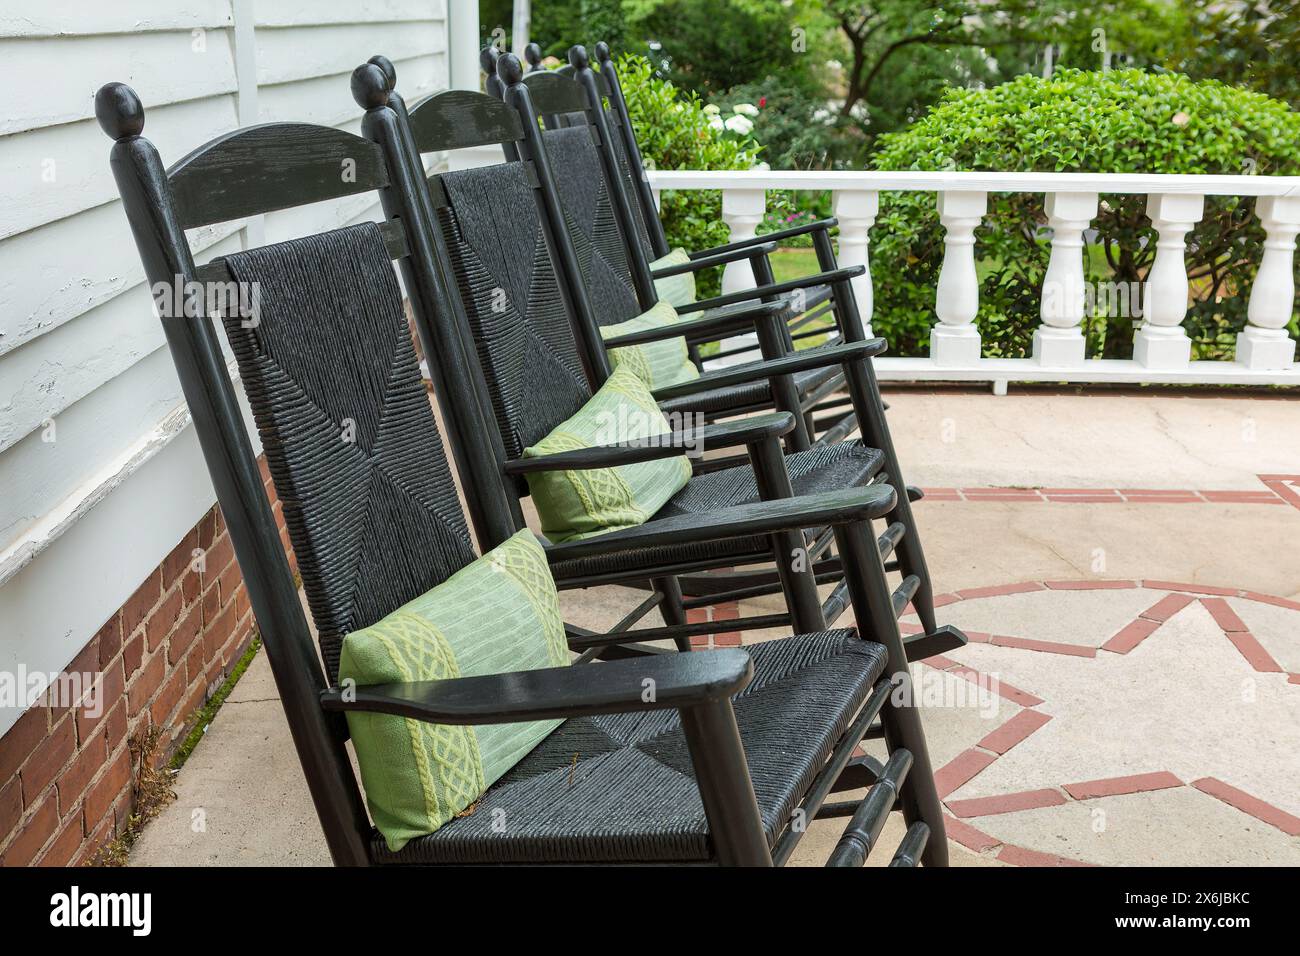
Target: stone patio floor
{"points": [[1127, 567]]}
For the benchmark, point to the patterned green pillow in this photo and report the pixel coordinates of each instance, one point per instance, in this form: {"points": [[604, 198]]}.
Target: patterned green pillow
{"points": [[662, 363], [498, 614], [677, 290], [579, 504]]}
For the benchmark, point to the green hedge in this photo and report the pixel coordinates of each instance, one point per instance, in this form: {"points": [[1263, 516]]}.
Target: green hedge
{"points": [[676, 132], [1125, 121]]}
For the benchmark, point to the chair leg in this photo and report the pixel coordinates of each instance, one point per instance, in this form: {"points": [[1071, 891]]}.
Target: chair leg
{"points": [[873, 608], [871, 420], [671, 608], [794, 564], [725, 785]]}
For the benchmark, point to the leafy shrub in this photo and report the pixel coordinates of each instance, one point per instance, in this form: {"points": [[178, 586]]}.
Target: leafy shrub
{"points": [[675, 132], [714, 45], [1125, 121], [797, 127]]}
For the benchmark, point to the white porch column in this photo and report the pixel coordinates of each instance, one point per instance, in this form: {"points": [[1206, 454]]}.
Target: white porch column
{"points": [[856, 210], [1058, 342], [462, 46], [1264, 344], [955, 341], [1162, 342], [520, 21], [742, 211]]}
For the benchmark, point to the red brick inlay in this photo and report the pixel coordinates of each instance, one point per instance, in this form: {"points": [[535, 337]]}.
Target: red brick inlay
{"points": [[1007, 803], [968, 836], [999, 590], [1118, 786], [1167, 607], [1281, 485], [1013, 731], [1194, 588], [1272, 599], [1223, 615], [1049, 647], [997, 686], [1278, 491], [1019, 856], [1106, 585], [960, 770], [1254, 652], [1253, 806], [1130, 636]]}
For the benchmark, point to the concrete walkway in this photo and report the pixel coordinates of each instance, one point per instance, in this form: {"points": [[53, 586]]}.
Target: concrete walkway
{"points": [[1126, 566]]}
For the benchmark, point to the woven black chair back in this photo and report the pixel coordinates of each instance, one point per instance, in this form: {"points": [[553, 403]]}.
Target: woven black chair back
{"points": [[349, 434]]}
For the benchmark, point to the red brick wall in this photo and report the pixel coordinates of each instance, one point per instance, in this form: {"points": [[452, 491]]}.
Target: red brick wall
{"points": [[65, 778]]}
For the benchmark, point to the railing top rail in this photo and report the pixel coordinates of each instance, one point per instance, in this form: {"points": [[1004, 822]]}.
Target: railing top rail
{"points": [[911, 180]]}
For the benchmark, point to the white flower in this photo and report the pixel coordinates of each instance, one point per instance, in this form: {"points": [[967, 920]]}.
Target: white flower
{"points": [[712, 109], [740, 125], [762, 166], [715, 122], [746, 109]]}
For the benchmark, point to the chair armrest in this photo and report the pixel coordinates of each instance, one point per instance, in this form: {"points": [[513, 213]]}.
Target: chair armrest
{"points": [[843, 354], [744, 431], [839, 507], [761, 248], [716, 323], [821, 225], [615, 687], [777, 288]]}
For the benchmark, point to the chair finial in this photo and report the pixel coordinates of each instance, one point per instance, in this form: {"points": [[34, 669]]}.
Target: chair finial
{"points": [[602, 52], [509, 69], [390, 71], [369, 86], [578, 57], [119, 111], [533, 54], [487, 59]]}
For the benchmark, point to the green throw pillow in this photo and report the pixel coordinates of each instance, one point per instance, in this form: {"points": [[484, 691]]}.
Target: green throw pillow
{"points": [[498, 614], [661, 363], [579, 504], [678, 290]]}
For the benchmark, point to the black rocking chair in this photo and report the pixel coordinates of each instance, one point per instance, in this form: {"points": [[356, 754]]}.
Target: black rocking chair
{"points": [[375, 522], [811, 303], [465, 205]]}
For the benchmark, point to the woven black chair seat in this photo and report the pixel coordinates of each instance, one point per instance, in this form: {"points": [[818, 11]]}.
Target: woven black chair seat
{"points": [[621, 788], [847, 464]]}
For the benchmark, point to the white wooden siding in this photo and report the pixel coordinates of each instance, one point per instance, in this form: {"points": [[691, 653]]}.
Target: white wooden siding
{"points": [[85, 517]]}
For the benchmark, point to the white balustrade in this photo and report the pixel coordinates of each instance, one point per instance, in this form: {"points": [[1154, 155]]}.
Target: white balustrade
{"points": [[1058, 342], [742, 211], [856, 211], [955, 341], [1175, 203], [1162, 341], [1265, 344]]}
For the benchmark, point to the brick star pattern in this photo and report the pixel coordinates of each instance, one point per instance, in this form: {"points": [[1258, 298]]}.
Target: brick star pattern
{"points": [[1194, 699]]}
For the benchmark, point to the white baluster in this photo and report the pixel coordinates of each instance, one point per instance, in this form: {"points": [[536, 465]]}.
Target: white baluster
{"points": [[1162, 342], [742, 211], [1058, 342], [856, 210], [955, 341], [658, 199], [1264, 344]]}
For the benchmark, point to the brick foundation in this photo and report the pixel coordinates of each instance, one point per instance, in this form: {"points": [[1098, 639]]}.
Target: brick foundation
{"points": [[65, 777]]}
